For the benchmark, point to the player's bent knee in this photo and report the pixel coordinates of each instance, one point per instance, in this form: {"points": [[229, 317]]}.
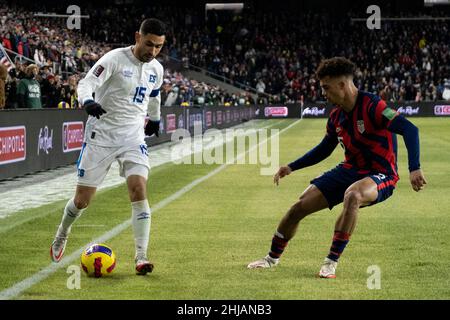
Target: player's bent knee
{"points": [[83, 196], [353, 197], [138, 192], [81, 203]]}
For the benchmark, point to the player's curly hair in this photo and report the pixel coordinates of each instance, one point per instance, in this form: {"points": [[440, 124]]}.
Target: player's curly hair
{"points": [[335, 67], [153, 26]]}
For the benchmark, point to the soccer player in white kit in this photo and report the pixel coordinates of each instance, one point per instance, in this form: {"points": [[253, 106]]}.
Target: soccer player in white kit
{"points": [[126, 84]]}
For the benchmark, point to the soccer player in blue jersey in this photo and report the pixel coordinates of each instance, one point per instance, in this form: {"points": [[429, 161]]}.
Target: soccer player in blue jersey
{"points": [[366, 129]]}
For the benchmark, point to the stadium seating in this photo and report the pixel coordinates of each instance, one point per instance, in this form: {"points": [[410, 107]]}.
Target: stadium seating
{"points": [[275, 53]]}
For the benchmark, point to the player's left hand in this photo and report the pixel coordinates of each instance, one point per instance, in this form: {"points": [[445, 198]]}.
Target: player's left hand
{"points": [[282, 172], [151, 128], [417, 180]]}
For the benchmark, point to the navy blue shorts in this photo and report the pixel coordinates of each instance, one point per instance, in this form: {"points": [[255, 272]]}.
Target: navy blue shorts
{"points": [[335, 182]]}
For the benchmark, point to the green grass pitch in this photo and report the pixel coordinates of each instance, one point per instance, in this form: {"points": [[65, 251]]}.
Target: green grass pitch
{"points": [[202, 242]]}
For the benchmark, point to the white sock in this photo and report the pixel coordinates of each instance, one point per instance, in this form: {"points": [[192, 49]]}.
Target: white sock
{"points": [[71, 213], [141, 220]]}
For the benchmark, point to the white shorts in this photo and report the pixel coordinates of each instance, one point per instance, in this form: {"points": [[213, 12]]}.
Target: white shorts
{"points": [[94, 163]]}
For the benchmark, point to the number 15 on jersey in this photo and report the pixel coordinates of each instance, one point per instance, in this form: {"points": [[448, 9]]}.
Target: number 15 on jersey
{"points": [[139, 94]]}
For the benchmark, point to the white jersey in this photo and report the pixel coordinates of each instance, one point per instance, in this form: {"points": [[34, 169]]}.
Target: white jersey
{"points": [[127, 89]]}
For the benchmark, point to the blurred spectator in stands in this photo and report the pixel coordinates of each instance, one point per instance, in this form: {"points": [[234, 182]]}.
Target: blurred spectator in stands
{"points": [[39, 57], [446, 93], [3, 75], [50, 93], [11, 90], [262, 99], [29, 90], [260, 86], [72, 84], [20, 68], [6, 41], [171, 97], [68, 92]]}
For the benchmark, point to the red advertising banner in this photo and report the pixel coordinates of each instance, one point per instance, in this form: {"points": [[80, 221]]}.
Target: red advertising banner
{"points": [[208, 116], [171, 123], [219, 117], [13, 144], [442, 110], [73, 133], [276, 111]]}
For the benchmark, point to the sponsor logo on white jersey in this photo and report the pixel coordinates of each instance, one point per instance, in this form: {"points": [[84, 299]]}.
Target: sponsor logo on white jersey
{"points": [[127, 72]]}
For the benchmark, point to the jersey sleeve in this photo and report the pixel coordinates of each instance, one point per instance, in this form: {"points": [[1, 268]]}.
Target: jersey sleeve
{"points": [[331, 128], [381, 115], [154, 103], [103, 69]]}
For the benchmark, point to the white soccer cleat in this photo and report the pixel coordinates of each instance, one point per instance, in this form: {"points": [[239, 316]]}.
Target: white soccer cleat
{"points": [[266, 262], [143, 266], [328, 269], [57, 248]]}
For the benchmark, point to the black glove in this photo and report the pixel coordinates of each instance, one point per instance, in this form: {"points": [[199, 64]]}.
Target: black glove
{"points": [[152, 127], [93, 108]]}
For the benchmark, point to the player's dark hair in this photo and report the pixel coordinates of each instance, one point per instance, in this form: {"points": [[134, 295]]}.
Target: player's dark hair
{"points": [[152, 26], [335, 67]]}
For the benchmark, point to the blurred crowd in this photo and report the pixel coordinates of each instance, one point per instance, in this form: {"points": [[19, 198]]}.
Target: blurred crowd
{"points": [[272, 54], [278, 52], [178, 90]]}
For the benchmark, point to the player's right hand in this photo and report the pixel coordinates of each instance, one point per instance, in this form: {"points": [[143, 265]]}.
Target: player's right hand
{"points": [[417, 179], [93, 108], [282, 172]]}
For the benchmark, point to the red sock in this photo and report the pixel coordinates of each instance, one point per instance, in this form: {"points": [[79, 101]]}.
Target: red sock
{"points": [[340, 240], [278, 246]]}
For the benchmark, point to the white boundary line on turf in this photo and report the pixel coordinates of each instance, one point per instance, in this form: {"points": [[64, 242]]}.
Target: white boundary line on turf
{"points": [[27, 283]]}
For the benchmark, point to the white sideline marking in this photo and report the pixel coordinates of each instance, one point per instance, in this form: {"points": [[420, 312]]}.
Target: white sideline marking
{"points": [[27, 283]]}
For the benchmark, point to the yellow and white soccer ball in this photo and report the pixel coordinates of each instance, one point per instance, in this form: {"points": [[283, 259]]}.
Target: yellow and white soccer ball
{"points": [[98, 260]]}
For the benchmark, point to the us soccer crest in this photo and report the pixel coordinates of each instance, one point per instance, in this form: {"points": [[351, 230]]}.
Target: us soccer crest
{"points": [[360, 124]]}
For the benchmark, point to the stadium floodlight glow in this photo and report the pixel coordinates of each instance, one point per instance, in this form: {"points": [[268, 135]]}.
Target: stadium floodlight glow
{"points": [[430, 3], [55, 15], [224, 6]]}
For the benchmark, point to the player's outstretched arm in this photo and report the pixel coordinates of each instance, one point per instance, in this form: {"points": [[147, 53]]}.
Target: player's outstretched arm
{"points": [[315, 155], [410, 134]]}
